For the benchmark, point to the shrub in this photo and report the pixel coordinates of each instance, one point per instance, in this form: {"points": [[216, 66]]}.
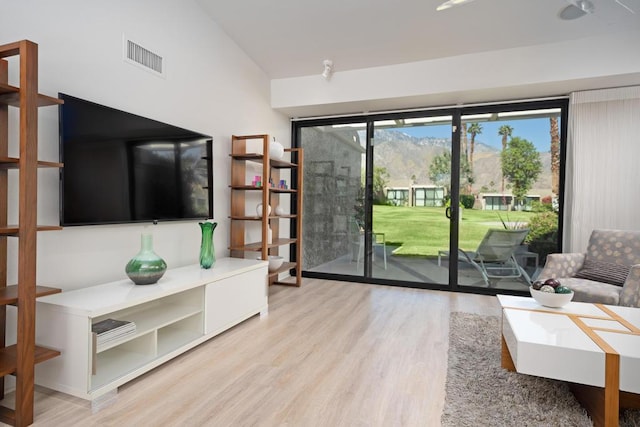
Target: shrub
{"points": [[543, 234], [541, 206], [467, 201]]}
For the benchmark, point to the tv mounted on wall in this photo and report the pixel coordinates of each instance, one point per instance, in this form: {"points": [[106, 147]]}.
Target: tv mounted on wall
{"points": [[124, 168]]}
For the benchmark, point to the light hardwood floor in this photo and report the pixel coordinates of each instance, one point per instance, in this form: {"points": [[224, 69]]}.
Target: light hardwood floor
{"points": [[328, 354]]}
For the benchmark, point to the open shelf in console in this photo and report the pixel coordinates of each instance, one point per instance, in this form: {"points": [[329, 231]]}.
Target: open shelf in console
{"points": [[122, 359], [162, 326], [178, 334], [158, 314]]}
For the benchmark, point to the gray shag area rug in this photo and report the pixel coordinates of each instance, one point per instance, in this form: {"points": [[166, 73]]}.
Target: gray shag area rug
{"points": [[480, 393]]}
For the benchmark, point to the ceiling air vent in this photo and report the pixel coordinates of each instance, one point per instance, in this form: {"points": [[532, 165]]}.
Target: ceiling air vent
{"points": [[143, 58]]}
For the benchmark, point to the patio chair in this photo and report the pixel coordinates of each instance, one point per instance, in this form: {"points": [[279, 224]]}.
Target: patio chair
{"points": [[495, 257], [357, 240]]}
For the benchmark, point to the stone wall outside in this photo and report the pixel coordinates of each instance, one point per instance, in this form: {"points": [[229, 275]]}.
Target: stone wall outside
{"points": [[333, 163]]}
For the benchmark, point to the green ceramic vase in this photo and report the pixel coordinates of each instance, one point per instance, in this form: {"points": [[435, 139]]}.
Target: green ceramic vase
{"points": [[146, 267], [207, 252]]}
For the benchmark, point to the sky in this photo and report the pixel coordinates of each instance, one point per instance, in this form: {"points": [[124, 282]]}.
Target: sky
{"points": [[533, 130]]}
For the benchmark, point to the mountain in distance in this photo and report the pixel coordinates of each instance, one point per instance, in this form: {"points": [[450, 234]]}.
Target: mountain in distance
{"points": [[407, 159]]}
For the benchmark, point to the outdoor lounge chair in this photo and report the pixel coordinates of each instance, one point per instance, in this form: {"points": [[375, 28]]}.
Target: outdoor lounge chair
{"points": [[495, 256]]}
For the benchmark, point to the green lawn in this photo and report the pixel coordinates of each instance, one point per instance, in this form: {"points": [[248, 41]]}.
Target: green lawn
{"points": [[420, 231]]}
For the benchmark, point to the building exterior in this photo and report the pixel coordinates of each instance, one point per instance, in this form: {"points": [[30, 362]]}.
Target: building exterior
{"points": [[416, 195], [506, 202]]}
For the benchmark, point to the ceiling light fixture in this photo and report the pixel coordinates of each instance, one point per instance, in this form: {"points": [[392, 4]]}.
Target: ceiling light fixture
{"points": [[577, 9], [328, 69], [450, 3]]}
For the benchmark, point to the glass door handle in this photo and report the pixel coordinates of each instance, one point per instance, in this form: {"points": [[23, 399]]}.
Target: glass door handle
{"points": [[447, 212]]}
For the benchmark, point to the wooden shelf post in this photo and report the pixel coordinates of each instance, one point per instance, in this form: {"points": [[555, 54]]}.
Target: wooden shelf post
{"points": [[20, 359]]}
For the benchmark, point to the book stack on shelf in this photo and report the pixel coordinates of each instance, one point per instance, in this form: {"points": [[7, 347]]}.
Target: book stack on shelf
{"points": [[109, 330]]}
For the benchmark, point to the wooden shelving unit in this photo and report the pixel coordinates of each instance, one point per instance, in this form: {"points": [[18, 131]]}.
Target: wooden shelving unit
{"points": [[19, 359], [270, 196]]}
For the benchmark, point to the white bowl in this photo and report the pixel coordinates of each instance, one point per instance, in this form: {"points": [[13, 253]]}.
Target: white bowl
{"points": [[551, 300], [275, 262]]}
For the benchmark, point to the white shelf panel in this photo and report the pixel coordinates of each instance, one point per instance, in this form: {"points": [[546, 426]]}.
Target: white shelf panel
{"points": [[171, 339], [116, 363], [100, 300], [161, 316], [154, 317]]}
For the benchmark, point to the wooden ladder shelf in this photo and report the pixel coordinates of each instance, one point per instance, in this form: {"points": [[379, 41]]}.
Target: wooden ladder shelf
{"points": [[19, 359]]}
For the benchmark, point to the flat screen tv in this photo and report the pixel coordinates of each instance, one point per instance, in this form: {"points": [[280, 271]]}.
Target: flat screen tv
{"points": [[124, 168]]}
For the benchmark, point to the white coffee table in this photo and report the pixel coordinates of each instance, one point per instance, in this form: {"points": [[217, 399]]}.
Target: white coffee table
{"points": [[594, 347]]}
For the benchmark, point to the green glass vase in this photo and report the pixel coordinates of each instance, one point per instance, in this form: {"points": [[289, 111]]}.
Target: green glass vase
{"points": [[207, 252], [146, 267]]}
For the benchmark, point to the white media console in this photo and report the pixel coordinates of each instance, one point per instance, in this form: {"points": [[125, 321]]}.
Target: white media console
{"points": [[188, 306]]}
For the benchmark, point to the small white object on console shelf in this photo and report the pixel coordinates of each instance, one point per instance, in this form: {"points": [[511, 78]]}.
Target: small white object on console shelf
{"points": [[188, 306]]}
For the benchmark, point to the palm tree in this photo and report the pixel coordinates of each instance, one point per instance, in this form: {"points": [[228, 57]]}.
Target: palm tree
{"points": [[463, 142], [505, 131], [555, 155], [474, 129]]}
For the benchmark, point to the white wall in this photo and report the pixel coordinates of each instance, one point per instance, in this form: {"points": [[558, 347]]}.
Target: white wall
{"points": [[211, 87]]}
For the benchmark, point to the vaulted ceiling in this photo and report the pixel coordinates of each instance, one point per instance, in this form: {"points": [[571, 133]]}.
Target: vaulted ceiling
{"points": [[289, 38]]}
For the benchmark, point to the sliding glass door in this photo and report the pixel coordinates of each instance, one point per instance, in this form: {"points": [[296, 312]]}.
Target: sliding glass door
{"points": [[376, 199], [411, 191], [334, 198], [510, 193], [389, 198]]}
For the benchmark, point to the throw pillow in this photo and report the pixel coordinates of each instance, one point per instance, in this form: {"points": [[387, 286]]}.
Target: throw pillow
{"points": [[600, 271]]}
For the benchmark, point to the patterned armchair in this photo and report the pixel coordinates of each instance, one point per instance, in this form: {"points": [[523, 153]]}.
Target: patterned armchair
{"points": [[608, 273]]}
